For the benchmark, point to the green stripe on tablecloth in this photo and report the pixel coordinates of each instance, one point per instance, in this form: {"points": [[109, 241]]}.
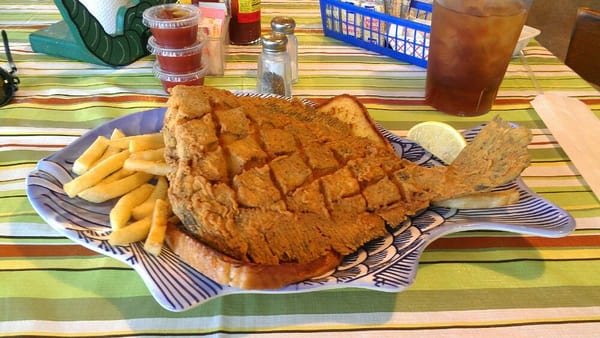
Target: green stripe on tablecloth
{"points": [[64, 281], [578, 212], [14, 204], [569, 199], [324, 302], [15, 207], [24, 217], [74, 113], [547, 154], [78, 117], [19, 157], [91, 81], [556, 189]]}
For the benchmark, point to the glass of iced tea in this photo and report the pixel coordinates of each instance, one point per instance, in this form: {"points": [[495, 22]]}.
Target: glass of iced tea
{"points": [[471, 45]]}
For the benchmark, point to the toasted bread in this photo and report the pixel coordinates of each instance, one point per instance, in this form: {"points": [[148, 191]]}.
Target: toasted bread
{"points": [[349, 110], [229, 271]]}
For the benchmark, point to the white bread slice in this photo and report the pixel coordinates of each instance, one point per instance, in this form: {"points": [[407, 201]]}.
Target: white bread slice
{"points": [[350, 110], [229, 271]]}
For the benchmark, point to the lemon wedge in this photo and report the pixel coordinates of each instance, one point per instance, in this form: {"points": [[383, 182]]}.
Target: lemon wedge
{"points": [[438, 138]]}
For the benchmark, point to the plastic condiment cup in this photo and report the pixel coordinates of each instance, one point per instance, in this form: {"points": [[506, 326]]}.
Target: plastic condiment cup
{"points": [[178, 60], [173, 25], [170, 80]]}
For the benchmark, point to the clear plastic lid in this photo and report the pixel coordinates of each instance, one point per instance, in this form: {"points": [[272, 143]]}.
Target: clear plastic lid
{"points": [[171, 16], [171, 77], [157, 49]]}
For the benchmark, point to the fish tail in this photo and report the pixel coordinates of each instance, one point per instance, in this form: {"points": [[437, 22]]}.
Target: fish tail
{"points": [[496, 156]]}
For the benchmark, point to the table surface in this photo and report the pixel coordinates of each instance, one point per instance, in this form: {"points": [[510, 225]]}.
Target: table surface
{"points": [[469, 284]]}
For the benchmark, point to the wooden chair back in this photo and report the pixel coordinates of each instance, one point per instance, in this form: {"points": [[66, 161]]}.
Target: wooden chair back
{"points": [[583, 53]]}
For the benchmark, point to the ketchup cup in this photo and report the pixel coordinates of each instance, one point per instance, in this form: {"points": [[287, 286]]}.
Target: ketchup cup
{"points": [[173, 25], [170, 80], [178, 60]]}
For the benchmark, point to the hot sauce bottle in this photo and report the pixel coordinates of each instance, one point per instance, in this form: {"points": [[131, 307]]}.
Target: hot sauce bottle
{"points": [[244, 25]]}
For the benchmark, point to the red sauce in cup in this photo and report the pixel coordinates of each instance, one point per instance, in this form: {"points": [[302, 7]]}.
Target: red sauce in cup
{"points": [[170, 80], [170, 84], [173, 25], [178, 60]]}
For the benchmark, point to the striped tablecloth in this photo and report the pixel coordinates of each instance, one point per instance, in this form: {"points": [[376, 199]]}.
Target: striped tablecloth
{"points": [[468, 284]]}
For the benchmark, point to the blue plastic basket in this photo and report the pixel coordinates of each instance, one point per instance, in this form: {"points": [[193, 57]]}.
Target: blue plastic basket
{"points": [[402, 39]]}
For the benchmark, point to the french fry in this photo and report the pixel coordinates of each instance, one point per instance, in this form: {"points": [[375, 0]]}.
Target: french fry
{"points": [[95, 174], [117, 134], [159, 192], [160, 168], [149, 155], [158, 227], [143, 210], [85, 161], [110, 150], [133, 232], [492, 199], [142, 142], [121, 212], [117, 175], [104, 192], [137, 145]]}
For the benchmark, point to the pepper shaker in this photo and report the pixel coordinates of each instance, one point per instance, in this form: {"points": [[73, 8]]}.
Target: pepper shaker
{"points": [[286, 25], [274, 73]]}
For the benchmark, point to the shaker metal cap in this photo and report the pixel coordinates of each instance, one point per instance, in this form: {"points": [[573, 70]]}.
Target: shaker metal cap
{"points": [[283, 24], [274, 42]]}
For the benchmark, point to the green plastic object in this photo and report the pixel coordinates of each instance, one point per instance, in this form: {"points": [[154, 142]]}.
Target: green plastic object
{"points": [[81, 37]]}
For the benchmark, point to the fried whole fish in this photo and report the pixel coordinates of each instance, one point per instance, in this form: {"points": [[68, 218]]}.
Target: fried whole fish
{"points": [[271, 181]]}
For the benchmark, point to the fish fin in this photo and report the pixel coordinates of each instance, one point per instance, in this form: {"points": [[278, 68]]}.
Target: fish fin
{"points": [[496, 156]]}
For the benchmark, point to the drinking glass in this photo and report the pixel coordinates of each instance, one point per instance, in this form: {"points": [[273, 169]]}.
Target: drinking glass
{"points": [[471, 46]]}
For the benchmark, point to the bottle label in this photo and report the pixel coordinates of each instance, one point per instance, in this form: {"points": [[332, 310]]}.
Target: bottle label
{"points": [[248, 11]]}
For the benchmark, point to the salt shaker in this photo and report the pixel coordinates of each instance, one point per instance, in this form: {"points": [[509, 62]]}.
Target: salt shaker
{"points": [[286, 25], [274, 74]]}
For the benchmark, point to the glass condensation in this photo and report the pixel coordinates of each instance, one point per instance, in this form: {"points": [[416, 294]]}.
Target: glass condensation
{"points": [[274, 73]]}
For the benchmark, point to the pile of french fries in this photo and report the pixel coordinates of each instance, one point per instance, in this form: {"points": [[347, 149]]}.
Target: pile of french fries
{"points": [[132, 169]]}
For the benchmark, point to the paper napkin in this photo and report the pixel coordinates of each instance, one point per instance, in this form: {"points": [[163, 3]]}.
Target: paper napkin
{"points": [[577, 130]]}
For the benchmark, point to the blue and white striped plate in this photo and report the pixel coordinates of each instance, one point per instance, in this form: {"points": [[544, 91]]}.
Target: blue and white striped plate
{"points": [[385, 264]]}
